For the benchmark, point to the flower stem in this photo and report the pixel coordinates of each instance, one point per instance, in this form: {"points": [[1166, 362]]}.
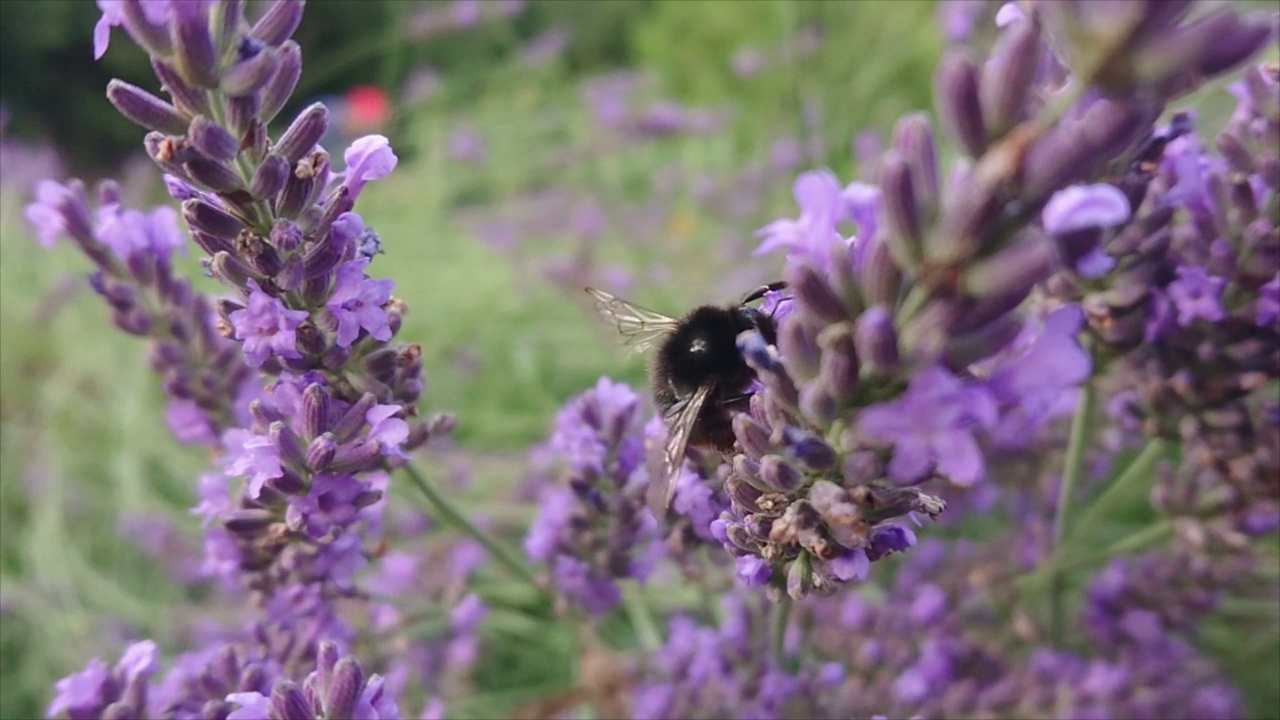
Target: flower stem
{"points": [[641, 619], [1070, 480], [1074, 465], [451, 515], [780, 615]]}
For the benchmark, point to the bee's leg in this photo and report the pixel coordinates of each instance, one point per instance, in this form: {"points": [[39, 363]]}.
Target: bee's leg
{"points": [[760, 291]]}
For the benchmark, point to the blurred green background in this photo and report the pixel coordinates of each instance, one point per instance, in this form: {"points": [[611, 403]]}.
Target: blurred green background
{"points": [[510, 195]]}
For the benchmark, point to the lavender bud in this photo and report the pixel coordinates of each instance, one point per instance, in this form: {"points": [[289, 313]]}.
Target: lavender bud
{"points": [[839, 364], [286, 236], [270, 177], [188, 100], [800, 577], [212, 244], [289, 483], [356, 458], [232, 17], [296, 195], [812, 452], [348, 679], [226, 267], [1012, 269], [814, 294], [204, 216], [242, 116], [364, 499], [145, 109], [284, 438], [321, 259], [134, 321], [164, 150], [958, 103], [902, 211], [1008, 77], [153, 38], [744, 486], [248, 521], [280, 87], [967, 349], [913, 139], [979, 313], [278, 23], [212, 140], [303, 134], [193, 44], [924, 337], [320, 453], [779, 475], [817, 404], [250, 75], [288, 702], [880, 278], [212, 175], [353, 420], [753, 436], [1236, 153], [759, 354], [798, 348]]}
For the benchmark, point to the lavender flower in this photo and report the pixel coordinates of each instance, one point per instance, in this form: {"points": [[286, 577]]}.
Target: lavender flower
{"points": [[336, 688], [593, 527]]}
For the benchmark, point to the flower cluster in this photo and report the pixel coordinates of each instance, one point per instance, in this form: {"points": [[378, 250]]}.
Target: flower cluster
{"points": [[332, 403], [237, 682], [204, 372], [593, 527], [1186, 304], [908, 344], [929, 649], [727, 669]]}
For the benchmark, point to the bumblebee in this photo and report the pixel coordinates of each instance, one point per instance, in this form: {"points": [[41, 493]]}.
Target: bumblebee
{"points": [[698, 376]]}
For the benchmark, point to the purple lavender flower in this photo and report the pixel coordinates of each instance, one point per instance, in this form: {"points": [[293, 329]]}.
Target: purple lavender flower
{"points": [[357, 303], [932, 428], [1196, 295], [597, 529], [1036, 386], [368, 158], [818, 194], [46, 212], [267, 327], [97, 690], [336, 688]]}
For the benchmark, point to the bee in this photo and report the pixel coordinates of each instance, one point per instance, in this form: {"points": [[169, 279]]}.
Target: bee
{"points": [[698, 376]]}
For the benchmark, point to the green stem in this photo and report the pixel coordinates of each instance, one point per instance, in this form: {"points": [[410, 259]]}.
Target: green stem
{"points": [[781, 614], [1070, 480], [641, 619], [1074, 466], [503, 553]]}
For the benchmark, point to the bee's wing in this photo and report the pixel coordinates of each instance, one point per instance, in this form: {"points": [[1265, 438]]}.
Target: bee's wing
{"points": [[639, 327], [680, 421]]}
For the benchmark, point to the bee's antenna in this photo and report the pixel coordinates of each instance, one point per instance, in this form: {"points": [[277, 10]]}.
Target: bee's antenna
{"points": [[760, 291]]}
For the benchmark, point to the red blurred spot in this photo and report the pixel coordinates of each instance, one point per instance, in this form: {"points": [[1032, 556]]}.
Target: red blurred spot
{"points": [[368, 108]]}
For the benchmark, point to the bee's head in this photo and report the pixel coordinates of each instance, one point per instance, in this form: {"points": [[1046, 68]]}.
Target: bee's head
{"points": [[749, 318]]}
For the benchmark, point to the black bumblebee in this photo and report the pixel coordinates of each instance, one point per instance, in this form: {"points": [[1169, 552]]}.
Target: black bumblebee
{"points": [[698, 375]]}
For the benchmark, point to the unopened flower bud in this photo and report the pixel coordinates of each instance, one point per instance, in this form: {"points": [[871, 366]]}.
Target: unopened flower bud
{"points": [[145, 109], [250, 75], [303, 133], [959, 105], [193, 44], [280, 87]]}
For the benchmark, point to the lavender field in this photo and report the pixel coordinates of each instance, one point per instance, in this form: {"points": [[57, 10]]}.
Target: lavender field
{"points": [[304, 412]]}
